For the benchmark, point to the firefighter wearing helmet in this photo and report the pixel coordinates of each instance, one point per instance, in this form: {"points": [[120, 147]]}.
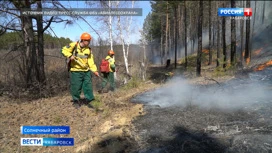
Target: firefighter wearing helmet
{"points": [[81, 66], [109, 77]]}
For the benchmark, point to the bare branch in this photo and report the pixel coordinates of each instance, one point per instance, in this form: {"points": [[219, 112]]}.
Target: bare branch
{"points": [[56, 3], [11, 13], [49, 23], [211, 79], [8, 28], [15, 48]]}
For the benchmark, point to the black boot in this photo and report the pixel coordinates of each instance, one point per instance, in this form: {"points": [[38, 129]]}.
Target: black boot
{"points": [[76, 104]]}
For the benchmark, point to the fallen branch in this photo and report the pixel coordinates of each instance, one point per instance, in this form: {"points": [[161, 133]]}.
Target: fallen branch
{"points": [[211, 79]]}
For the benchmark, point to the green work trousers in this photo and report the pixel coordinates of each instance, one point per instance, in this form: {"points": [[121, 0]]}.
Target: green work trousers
{"points": [[108, 77], [79, 81]]}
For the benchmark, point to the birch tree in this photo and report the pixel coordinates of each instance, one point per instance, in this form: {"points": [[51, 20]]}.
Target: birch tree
{"points": [[109, 22], [110, 28], [143, 63], [126, 41]]}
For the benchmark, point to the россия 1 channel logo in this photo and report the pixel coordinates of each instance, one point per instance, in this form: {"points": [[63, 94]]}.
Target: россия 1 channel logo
{"points": [[235, 12]]}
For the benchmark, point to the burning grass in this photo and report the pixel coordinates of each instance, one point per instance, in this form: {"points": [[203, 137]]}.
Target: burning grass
{"points": [[263, 66], [257, 52], [206, 51]]}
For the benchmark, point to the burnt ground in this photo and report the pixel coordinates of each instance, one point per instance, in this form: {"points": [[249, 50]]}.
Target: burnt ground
{"points": [[244, 127]]}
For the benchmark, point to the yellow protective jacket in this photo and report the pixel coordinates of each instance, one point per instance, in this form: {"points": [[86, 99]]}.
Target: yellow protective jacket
{"points": [[83, 54], [112, 63]]}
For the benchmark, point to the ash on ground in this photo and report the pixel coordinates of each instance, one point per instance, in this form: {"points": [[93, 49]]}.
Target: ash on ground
{"points": [[232, 117]]}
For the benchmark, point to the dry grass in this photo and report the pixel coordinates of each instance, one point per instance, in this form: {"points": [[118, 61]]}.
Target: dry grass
{"points": [[87, 124], [50, 105]]}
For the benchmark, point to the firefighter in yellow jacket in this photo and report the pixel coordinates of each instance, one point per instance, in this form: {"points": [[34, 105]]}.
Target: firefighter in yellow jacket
{"points": [[81, 66], [109, 77]]}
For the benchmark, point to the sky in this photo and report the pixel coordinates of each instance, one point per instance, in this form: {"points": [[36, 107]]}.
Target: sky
{"points": [[78, 27]]}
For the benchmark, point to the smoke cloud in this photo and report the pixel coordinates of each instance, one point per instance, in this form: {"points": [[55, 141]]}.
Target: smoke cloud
{"points": [[235, 94], [259, 26]]}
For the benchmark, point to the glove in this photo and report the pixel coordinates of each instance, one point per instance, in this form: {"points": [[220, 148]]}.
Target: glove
{"points": [[96, 73]]}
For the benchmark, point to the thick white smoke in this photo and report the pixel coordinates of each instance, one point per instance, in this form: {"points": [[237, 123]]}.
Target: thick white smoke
{"points": [[236, 94]]}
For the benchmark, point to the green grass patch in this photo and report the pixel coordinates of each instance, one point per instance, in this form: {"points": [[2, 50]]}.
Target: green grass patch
{"points": [[228, 70], [133, 83], [57, 120], [97, 103], [106, 112]]}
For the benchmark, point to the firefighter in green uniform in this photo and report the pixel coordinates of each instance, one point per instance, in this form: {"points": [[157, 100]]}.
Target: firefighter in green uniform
{"points": [[81, 66], [109, 77]]}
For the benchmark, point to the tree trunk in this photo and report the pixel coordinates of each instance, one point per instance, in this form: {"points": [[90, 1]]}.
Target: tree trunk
{"points": [[210, 33], [218, 41], [29, 44], [123, 48], [170, 39], [224, 40], [144, 64], [233, 38], [263, 12], [193, 45], [242, 39], [166, 31], [30, 49], [185, 36], [110, 27], [213, 29], [123, 45], [252, 32], [191, 31], [179, 29], [162, 51], [40, 76], [247, 51], [176, 35], [199, 53]]}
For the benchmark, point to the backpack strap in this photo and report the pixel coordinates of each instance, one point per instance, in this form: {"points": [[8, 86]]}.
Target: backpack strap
{"points": [[80, 56], [75, 49]]}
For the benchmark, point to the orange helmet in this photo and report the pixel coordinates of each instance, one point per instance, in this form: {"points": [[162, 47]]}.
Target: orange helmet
{"points": [[111, 52], [85, 36]]}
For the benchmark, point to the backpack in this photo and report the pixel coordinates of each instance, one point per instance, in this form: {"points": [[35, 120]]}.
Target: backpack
{"points": [[104, 66], [68, 61]]}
